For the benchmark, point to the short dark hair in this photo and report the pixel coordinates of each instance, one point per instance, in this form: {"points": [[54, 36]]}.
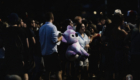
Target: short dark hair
{"points": [[13, 18], [117, 19], [78, 27], [88, 33], [49, 16]]}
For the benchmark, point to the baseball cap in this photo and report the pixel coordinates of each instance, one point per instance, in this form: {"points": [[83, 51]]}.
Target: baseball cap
{"points": [[13, 18], [117, 11], [131, 13]]}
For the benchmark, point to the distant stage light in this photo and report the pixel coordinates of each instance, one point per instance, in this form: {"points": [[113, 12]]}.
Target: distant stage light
{"points": [[84, 19], [84, 12], [94, 12], [101, 13]]}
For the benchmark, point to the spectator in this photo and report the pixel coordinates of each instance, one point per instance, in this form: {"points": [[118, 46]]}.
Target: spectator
{"points": [[85, 22], [78, 19], [117, 46], [37, 57], [15, 41], [131, 17], [84, 42], [94, 53], [66, 23], [100, 24], [135, 56], [48, 40]]}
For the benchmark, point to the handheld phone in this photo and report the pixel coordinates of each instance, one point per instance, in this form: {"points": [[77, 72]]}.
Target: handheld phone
{"points": [[60, 34], [100, 32]]}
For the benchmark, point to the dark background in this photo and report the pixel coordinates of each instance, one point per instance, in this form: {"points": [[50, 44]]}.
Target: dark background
{"points": [[63, 9]]}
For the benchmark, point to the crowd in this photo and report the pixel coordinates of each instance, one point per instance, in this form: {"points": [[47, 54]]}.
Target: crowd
{"points": [[31, 50]]}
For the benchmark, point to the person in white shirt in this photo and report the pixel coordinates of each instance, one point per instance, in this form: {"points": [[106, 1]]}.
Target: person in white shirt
{"points": [[84, 42]]}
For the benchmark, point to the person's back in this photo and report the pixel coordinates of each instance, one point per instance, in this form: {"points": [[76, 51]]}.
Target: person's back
{"points": [[13, 38], [47, 42], [48, 38], [117, 38], [135, 52]]}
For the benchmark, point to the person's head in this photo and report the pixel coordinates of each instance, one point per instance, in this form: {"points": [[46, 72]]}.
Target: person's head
{"points": [[13, 19], [117, 11], [49, 17], [88, 33], [92, 28], [117, 19], [21, 23], [33, 23], [132, 16], [80, 28], [65, 23], [37, 24], [30, 23], [102, 21], [78, 19], [85, 22], [68, 22]]}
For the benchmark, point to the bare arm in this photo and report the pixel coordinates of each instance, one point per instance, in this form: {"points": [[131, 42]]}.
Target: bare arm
{"points": [[59, 39], [34, 41], [27, 42]]}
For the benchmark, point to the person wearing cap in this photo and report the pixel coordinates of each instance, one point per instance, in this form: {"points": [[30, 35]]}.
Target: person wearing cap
{"points": [[135, 52], [125, 26], [15, 43], [117, 11], [131, 18], [117, 48]]}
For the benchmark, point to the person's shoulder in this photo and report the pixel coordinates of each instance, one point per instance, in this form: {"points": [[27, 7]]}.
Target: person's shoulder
{"points": [[85, 35], [53, 26]]}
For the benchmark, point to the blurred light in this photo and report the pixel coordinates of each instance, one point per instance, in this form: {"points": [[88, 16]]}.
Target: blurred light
{"points": [[84, 19], [84, 12], [26, 13], [101, 13], [94, 12]]}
